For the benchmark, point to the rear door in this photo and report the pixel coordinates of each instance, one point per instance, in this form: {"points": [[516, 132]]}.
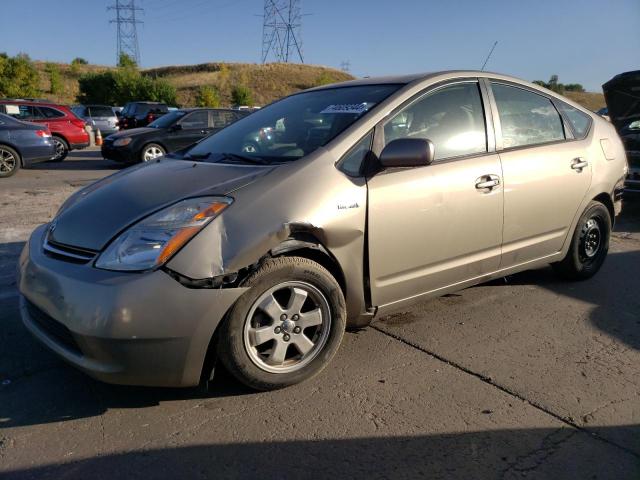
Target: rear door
{"points": [[432, 227], [546, 173]]}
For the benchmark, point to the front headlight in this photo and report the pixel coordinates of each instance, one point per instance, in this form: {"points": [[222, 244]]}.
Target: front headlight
{"points": [[152, 241], [122, 142]]}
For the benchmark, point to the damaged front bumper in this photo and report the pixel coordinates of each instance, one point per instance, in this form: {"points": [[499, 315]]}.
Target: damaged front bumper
{"points": [[125, 328]]}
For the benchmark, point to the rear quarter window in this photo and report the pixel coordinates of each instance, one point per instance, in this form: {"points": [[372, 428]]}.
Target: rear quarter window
{"points": [[48, 112], [580, 121]]}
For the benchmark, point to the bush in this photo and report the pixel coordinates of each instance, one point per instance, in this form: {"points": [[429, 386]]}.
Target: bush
{"points": [[242, 95], [117, 87], [208, 97], [79, 61], [125, 61], [324, 78], [55, 80], [18, 76]]}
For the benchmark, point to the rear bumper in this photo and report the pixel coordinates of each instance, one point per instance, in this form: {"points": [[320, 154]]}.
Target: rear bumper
{"points": [[79, 146], [134, 328], [32, 155]]}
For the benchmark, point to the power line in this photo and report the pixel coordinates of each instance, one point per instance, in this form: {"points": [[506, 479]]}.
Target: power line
{"points": [[126, 24], [281, 30]]}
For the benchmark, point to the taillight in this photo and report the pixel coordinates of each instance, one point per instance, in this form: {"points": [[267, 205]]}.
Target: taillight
{"points": [[149, 118], [43, 133]]}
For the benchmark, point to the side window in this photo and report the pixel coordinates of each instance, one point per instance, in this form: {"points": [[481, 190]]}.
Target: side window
{"points": [[351, 162], [526, 117], [220, 119], [51, 112], [451, 117], [195, 120], [580, 121]]}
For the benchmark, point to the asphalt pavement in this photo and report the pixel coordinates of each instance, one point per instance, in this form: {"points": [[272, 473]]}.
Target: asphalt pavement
{"points": [[522, 377]]}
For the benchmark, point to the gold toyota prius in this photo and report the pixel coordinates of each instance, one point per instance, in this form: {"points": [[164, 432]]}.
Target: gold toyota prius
{"points": [[261, 243]]}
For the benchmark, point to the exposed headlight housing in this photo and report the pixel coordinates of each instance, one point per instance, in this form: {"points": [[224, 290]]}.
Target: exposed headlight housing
{"points": [[151, 242], [122, 142]]}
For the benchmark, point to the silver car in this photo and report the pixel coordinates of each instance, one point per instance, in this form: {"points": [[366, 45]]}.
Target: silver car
{"points": [[356, 200], [99, 117]]}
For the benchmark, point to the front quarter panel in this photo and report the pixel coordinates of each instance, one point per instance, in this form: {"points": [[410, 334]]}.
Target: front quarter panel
{"points": [[309, 195]]}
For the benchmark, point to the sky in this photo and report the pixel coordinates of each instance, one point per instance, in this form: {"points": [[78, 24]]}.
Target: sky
{"points": [[582, 41]]}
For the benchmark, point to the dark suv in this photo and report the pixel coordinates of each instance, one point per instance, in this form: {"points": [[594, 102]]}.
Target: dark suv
{"points": [[141, 114]]}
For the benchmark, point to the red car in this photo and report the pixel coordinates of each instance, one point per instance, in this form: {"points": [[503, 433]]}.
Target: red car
{"points": [[68, 131]]}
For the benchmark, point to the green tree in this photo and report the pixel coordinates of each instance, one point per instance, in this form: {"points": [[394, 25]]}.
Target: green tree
{"points": [[208, 97], [18, 76], [125, 61], [79, 61], [242, 95], [117, 87], [55, 80]]}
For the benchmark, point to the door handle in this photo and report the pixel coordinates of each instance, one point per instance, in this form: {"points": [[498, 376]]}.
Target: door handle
{"points": [[487, 182], [579, 163]]}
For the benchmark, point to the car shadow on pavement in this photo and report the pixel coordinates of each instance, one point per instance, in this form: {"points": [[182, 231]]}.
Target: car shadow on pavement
{"points": [[544, 453], [616, 304], [81, 160]]}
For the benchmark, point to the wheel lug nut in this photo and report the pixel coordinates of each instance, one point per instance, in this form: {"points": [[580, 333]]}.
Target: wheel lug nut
{"points": [[297, 330], [283, 317], [296, 317], [277, 330], [286, 337]]}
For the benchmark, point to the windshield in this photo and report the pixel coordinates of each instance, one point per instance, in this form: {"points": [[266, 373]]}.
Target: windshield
{"points": [[293, 127], [167, 120]]}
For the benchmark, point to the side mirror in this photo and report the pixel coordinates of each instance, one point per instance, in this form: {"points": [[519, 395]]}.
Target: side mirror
{"points": [[176, 127], [407, 152]]}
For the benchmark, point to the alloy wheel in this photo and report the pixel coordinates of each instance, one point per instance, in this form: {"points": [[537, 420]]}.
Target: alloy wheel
{"points": [[8, 161], [287, 327], [151, 153], [60, 148]]}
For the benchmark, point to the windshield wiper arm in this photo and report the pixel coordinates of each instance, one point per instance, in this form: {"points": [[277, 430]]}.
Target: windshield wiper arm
{"points": [[243, 158]]}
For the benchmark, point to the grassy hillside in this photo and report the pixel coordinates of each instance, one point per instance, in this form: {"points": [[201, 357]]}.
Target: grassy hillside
{"points": [[267, 82]]}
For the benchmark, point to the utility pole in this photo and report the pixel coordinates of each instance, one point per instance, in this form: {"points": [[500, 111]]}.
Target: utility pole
{"points": [[126, 23], [281, 30]]}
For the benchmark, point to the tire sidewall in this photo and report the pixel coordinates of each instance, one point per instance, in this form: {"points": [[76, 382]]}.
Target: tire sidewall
{"points": [[601, 213], [17, 165], [231, 339], [65, 146]]}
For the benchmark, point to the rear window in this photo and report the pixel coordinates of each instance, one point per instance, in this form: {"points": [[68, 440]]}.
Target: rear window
{"points": [[48, 112], [580, 121], [144, 108], [101, 112]]}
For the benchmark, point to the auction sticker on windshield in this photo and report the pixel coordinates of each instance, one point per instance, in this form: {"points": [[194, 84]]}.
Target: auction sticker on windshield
{"points": [[348, 108]]}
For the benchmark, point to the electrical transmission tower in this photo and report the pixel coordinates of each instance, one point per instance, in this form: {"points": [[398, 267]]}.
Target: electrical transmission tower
{"points": [[345, 66], [127, 23], [281, 37]]}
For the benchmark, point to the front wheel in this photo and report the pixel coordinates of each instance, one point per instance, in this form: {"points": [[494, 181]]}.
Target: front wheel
{"points": [[151, 152], [589, 245], [286, 327]]}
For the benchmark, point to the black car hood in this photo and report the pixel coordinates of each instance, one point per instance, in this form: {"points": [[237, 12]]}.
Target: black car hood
{"points": [[93, 216], [134, 132], [622, 94]]}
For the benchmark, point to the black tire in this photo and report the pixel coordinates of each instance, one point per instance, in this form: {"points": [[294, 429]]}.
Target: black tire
{"points": [[151, 147], [589, 244], [10, 161], [272, 273], [62, 149]]}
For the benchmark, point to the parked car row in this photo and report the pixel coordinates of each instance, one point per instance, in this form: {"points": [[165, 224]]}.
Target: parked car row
{"points": [[23, 144], [67, 130]]}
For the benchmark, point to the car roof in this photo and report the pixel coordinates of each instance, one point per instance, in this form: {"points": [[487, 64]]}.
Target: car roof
{"points": [[193, 109]]}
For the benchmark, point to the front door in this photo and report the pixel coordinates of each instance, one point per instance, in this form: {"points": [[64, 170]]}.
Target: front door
{"points": [[194, 126], [436, 226]]}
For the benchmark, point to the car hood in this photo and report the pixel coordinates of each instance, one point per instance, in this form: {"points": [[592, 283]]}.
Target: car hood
{"points": [[134, 132], [94, 215]]}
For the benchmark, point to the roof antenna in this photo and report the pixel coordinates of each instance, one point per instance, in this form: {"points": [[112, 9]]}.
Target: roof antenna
{"points": [[489, 56]]}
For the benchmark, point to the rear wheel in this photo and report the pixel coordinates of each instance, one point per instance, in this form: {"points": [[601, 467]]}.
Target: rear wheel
{"points": [[152, 151], [62, 149], [589, 245], [9, 161], [286, 327]]}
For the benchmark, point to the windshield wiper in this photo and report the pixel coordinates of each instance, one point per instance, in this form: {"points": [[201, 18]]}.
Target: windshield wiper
{"points": [[243, 158]]}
